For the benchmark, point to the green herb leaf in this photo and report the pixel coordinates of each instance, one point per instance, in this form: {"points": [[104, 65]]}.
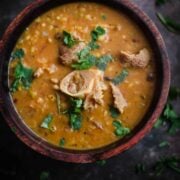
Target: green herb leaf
{"points": [[140, 168], [44, 175], [62, 142], [93, 45], [68, 39], [167, 162], [174, 93], [75, 121], [23, 77], [160, 2], [47, 121], [17, 54], [114, 111], [164, 144], [85, 63], [170, 24], [101, 162], [96, 33], [75, 117], [103, 61], [121, 77], [120, 130]]}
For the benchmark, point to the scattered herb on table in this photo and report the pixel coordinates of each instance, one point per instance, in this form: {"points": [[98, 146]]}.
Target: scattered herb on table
{"points": [[160, 2], [68, 39], [62, 142], [18, 54], [44, 175], [119, 129], [101, 162], [170, 24], [167, 162], [164, 144], [103, 61], [47, 121], [114, 112], [97, 32], [140, 168], [120, 77]]}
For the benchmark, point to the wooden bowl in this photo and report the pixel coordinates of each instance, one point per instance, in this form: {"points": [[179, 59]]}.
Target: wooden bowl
{"points": [[9, 113]]}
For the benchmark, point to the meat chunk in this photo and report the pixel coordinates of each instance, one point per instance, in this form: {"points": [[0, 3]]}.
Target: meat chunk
{"points": [[68, 55], [96, 96], [79, 83], [140, 60], [119, 101]]}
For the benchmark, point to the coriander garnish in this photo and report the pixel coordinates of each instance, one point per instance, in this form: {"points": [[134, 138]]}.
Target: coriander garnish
{"points": [[119, 129], [47, 121]]}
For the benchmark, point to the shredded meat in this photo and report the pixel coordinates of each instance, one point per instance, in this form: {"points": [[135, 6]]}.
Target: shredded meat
{"points": [[140, 60], [96, 96], [119, 101]]}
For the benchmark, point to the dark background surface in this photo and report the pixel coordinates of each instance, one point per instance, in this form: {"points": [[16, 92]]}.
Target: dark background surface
{"points": [[17, 161]]}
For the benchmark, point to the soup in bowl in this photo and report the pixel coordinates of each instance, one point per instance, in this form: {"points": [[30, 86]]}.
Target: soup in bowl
{"points": [[83, 77]]}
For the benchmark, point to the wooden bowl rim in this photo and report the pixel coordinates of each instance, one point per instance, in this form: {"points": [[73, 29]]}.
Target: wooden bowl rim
{"points": [[41, 146]]}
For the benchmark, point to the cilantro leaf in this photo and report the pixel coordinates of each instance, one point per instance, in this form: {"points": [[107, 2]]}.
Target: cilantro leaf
{"points": [[163, 144], [17, 54], [85, 63], [93, 45], [98, 31], [120, 77], [114, 111], [44, 175], [68, 39], [119, 129], [22, 77], [75, 121], [47, 121], [103, 61], [62, 142], [75, 117], [170, 24], [160, 2], [101, 162]]}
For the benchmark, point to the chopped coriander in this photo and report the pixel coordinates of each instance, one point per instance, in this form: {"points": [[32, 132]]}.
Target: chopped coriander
{"points": [[119, 129], [68, 39], [47, 121], [101, 162], [170, 24], [75, 117], [62, 142], [120, 77], [103, 61], [114, 111], [85, 63], [18, 54], [93, 45], [23, 77], [103, 16], [164, 144], [160, 2], [167, 162], [75, 121], [44, 175], [97, 32], [140, 168]]}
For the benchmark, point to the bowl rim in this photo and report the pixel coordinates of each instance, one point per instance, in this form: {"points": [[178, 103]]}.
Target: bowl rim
{"points": [[45, 148]]}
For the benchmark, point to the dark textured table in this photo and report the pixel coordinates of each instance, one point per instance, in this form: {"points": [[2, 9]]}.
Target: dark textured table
{"points": [[17, 161]]}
